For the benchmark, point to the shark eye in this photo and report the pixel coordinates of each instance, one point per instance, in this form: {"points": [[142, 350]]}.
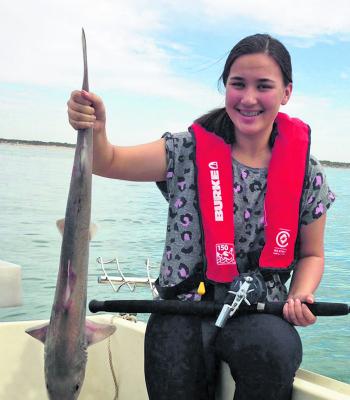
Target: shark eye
{"points": [[77, 386], [48, 388]]}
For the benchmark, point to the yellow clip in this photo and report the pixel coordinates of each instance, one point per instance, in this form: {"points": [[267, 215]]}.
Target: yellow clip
{"points": [[201, 289]]}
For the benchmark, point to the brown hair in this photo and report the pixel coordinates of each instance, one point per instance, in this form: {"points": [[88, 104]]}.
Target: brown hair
{"points": [[218, 120]]}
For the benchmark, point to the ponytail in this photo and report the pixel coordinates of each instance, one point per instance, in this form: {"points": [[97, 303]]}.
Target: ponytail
{"points": [[219, 122]]}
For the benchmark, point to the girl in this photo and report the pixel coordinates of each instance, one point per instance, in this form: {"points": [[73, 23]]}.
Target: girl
{"points": [[277, 224]]}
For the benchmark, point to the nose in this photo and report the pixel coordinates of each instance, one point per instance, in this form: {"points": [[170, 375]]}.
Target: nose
{"points": [[248, 97]]}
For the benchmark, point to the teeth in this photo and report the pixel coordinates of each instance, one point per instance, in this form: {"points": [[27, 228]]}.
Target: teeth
{"points": [[250, 113]]}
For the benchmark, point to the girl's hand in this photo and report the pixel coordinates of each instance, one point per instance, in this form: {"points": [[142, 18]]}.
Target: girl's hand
{"points": [[297, 313], [86, 110]]}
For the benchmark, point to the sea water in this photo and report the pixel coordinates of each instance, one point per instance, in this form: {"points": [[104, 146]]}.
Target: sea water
{"points": [[131, 220]]}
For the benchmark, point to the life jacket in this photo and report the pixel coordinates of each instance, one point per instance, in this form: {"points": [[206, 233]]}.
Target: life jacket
{"points": [[215, 188]]}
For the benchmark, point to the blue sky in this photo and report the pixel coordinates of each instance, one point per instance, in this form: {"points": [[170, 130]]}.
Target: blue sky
{"points": [[156, 64]]}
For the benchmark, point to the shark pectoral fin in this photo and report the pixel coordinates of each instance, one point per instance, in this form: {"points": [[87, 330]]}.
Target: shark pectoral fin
{"points": [[38, 332], [97, 332], [92, 229], [60, 225]]}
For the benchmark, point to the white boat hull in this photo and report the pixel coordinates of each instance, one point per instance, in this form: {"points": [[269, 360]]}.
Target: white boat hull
{"points": [[22, 366]]}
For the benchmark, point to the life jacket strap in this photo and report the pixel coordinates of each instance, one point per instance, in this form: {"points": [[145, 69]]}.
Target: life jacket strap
{"points": [[286, 176], [186, 286], [214, 177]]}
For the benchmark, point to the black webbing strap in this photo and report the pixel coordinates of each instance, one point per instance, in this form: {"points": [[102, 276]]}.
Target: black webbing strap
{"points": [[186, 286]]}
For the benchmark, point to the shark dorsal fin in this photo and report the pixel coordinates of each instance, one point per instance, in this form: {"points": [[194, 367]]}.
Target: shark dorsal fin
{"points": [[92, 229]]}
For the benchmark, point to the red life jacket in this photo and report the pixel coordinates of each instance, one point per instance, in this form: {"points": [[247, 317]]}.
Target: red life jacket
{"points": [[288, 164]]}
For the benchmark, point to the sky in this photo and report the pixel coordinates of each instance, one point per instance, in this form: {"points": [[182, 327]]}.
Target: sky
{"points": [[156, 64]]}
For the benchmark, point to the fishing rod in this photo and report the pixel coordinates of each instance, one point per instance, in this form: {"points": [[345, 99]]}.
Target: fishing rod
{"points": [[208, 307], [247, 294]]}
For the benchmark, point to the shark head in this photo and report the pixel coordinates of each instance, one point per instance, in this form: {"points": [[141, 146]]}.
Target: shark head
{"points": [[64, 380], [65, 358], [68, 389]]}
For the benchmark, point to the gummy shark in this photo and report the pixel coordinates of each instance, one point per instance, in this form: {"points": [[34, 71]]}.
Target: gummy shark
{"points": [[68, 334]]}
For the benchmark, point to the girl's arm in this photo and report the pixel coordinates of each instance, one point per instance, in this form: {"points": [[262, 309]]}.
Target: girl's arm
{"points": [[307, 275], [146, 162]]}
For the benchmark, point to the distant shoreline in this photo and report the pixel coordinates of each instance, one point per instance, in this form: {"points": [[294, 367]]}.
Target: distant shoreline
{"points": [[36, 143], [333, 164]]}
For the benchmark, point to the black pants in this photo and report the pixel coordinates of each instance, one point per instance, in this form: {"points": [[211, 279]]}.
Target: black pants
{"points": [[262, 351]]}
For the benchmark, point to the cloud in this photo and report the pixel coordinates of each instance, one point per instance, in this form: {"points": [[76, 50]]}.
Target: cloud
{"points": [[127, 41], [42, 45], [43, 39], [298, 18], [137, 49], [329, 125]]}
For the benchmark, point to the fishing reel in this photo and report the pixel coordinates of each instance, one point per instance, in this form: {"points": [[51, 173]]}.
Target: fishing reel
{"points": [[257, 287], [247, 287]]}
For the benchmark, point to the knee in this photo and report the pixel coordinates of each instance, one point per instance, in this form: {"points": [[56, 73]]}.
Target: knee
{"points": [[281, 342], [263, 344]]}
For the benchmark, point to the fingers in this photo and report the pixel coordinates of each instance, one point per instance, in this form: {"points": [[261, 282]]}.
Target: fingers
{"points": [[84, 109], [81, 119], [297, 313], [85, 98], [310, 299], [81, 102], [79, 125]]}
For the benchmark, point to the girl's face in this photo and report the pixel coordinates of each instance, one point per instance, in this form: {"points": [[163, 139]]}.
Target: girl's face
{"points": [[254, 92]]}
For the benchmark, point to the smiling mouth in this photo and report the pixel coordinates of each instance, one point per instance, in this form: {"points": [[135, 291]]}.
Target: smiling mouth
{"points": [[249, 113]]}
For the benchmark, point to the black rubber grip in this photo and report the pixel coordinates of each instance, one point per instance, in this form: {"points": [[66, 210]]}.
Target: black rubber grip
{"points": [[156, 306], [205, 307], [318, 309]]}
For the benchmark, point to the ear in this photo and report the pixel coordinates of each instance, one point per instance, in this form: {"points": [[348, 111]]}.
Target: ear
{"points": [[287, 93]]}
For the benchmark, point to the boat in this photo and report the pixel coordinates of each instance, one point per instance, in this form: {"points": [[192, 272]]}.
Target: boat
{"points": [[115, 367]]}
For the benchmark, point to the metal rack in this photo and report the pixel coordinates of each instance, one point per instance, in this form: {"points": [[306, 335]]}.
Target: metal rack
{"points": [[120, 280]]}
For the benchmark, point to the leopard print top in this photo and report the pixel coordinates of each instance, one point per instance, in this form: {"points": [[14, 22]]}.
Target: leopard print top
{"points": [[183, 249]]}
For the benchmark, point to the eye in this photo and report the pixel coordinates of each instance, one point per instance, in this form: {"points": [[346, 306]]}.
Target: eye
{"points": [[264, 87], [237, 85], [77, 387], [48, 389]]}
